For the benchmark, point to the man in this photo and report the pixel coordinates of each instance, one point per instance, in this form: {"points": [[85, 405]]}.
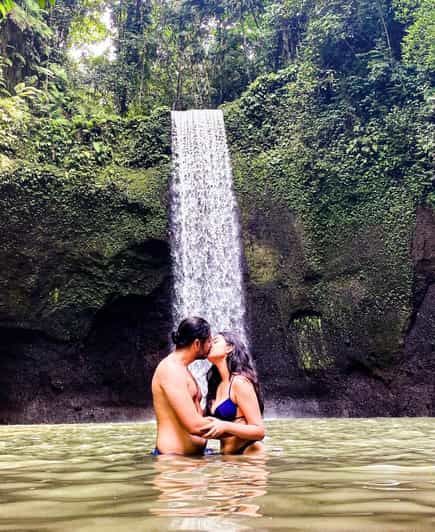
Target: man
{"points": [[176, 395]]}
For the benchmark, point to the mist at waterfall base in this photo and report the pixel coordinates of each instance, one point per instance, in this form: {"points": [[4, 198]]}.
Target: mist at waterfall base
{"points": [[205, 230], [316, 474]]}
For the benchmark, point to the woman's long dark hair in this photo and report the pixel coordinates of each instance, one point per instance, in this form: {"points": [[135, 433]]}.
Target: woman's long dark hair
{"points": [[239, 362]]}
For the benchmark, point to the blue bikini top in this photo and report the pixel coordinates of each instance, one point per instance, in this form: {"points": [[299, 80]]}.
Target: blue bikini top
{"points": [[227, 410]]}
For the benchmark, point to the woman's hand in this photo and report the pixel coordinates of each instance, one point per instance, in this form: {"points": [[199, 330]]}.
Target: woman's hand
{"points": [[215, 429]]}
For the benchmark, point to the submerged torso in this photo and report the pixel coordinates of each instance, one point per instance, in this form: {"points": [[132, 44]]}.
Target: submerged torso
{"points": [[172, 438]]}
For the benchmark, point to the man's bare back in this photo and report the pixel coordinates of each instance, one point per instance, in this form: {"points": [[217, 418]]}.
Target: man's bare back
{"points": [[177, 398]]}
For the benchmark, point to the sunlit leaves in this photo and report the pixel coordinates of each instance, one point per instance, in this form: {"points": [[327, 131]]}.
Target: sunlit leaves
{"points": [[419, 43], [7, 5], [88, 28], [24, 91], [89, 22], [405, 9]]}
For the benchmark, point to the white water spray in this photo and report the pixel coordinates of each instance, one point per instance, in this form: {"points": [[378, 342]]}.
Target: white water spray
{"points": [[206, 247]]}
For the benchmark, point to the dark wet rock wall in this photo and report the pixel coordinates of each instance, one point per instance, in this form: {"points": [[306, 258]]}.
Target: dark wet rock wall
{"points": [[339, 254], [338, 242], [85, 278]]}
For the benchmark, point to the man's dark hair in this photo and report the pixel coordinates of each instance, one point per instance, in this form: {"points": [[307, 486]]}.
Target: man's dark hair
{"points": [[189, 330]]}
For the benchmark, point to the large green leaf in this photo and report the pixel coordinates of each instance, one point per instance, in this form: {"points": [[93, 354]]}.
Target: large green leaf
{"points": [[7, 5]]}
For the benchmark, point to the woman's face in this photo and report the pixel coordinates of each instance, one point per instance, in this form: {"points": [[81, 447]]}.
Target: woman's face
{"points": [[219, 349]]}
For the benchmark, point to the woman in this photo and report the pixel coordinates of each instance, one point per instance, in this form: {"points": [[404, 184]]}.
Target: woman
{"points": [[234, 401]]}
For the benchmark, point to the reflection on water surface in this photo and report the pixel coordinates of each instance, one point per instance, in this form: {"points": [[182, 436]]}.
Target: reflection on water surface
{"points": [[318, 475], [209, 487]]}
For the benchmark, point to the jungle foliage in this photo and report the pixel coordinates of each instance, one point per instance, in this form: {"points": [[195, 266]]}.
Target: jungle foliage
{"points": [[351, 64], [329, 107], [197, 53]]}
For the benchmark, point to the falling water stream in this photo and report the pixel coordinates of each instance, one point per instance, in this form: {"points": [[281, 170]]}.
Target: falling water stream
{"points": [[316, 475], [205, 229]]}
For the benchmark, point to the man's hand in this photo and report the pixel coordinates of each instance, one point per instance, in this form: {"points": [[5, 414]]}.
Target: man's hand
{"points": [[215, 428]]}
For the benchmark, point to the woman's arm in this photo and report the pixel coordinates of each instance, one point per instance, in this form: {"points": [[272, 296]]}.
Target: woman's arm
{"points": [[247, 401]]}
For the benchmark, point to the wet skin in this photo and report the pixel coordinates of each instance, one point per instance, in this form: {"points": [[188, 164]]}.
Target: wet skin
{"points": [[176, 399], [243, 394]]}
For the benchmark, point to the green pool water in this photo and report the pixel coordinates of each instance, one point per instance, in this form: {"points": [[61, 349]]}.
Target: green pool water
{"points": [[328, 474]]}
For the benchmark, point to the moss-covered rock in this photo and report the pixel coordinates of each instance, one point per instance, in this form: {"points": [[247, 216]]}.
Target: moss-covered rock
{"points": [[70, 244], [328, 196], [336, 199], [83, 232]]}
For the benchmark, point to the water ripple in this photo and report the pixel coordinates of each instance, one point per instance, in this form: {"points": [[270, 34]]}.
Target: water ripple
{"points": [[376, 474]]}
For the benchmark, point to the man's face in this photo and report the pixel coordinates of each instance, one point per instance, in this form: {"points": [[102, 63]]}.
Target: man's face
{"points": [[204, 348]]}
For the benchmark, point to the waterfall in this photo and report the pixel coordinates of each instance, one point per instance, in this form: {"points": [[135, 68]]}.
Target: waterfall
{"points": [[205, 233]]}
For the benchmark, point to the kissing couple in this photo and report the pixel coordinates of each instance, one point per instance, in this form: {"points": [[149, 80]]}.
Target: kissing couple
{"points": [[234, 404]]}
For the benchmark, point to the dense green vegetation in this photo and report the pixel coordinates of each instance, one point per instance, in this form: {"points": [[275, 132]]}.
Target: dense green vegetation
{"points": [[329, 107], [342, 138], [352, 177], [197, 53], [359, 71], [331, 116]]}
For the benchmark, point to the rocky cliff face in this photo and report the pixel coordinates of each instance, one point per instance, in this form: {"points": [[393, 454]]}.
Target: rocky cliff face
{"points": [[85, 282], [339, 246]]}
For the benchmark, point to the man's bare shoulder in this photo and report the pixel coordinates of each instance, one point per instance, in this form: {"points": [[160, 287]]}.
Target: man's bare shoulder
{"points": [[169, 368]]}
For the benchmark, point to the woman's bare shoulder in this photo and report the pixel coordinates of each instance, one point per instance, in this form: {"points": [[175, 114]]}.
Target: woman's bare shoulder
{"points": [[241, 381]]}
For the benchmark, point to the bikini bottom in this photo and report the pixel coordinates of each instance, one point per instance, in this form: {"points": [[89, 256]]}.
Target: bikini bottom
{"points": [[206, 451], [155, 452]]}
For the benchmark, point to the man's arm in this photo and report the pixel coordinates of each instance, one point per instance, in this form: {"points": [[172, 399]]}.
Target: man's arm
{"points": [[247, 401], [176, 390]]}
